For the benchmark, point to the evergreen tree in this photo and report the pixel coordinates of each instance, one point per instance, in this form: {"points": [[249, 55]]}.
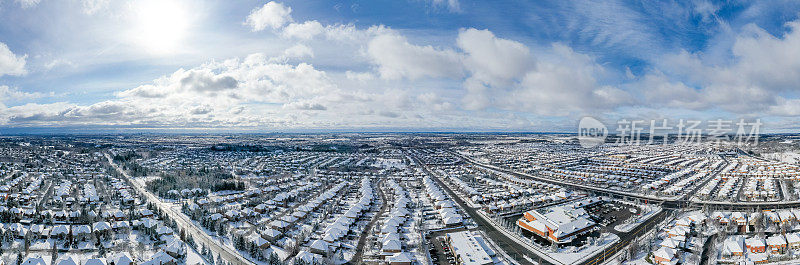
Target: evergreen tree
{"points": [[273, 259], [53, 253]]}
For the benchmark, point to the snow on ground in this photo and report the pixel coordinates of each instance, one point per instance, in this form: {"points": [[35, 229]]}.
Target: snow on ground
{"points": [[192, 257], [415, 238], [649, 211], [142, 181], [223, 193], [640, 259], [389, 163], [786, 157], [572, 255]]}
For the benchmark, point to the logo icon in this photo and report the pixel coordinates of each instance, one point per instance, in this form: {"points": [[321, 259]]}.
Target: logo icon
{"points": [[591, 132]]}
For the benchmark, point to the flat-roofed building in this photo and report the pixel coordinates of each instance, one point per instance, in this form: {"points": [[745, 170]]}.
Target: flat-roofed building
{"points": [[470, 249]]}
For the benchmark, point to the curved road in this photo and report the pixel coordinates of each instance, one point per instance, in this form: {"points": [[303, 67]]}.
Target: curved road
{"points": [[363, 239]]}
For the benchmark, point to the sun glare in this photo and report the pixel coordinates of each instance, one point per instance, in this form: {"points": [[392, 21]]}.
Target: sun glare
{"points": [[161, 25]]}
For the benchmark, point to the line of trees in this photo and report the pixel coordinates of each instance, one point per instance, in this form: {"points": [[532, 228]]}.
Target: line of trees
{"points": [[213, 180]]}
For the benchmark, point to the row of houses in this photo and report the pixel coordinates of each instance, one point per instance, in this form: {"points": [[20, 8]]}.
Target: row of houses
{"points": [[751, 167], [392, 234], [677, 238], [760, 189], [443, 205], [746, 222], [334, 234], [756, 249], [278, 228]]}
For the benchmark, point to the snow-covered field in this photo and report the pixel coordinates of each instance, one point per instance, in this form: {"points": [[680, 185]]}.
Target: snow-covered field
{"points": [[389, 163], [573, 255], [649, 211], [786, 157]]}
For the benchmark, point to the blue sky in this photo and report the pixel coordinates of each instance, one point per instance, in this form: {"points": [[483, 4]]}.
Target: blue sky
{"points": [[394, 65]]}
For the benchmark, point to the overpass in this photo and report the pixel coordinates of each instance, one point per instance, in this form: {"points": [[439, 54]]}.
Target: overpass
{"points": [[598, 190], [674, 202], [516, 248]]}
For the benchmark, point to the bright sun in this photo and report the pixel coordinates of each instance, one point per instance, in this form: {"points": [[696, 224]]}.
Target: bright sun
{"points": [[160, 25]]}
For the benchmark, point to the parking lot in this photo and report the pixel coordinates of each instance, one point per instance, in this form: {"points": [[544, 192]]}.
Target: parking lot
{"points": [[610, 214], [606, 214], [437, 247]]}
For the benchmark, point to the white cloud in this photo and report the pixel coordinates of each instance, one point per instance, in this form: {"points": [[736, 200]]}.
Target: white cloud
{"points": [[505, 75], [452, 5], [205, 81], [396, 58], [660, 91], [273, 14], [770, 61], [501, 73], [230, 93], [433, 102], [11, 64], [478, 95], [93, 6], [764, 72], [57, 62], [786, 107], [261, 92], [27, 3], [305, 30], [377, 76], [705, 9], [563, 87], [359, 76], [34, 114], [606, 25], [305, 105], [349, 32], [8, 93], [492, 59], [299, 51]]}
